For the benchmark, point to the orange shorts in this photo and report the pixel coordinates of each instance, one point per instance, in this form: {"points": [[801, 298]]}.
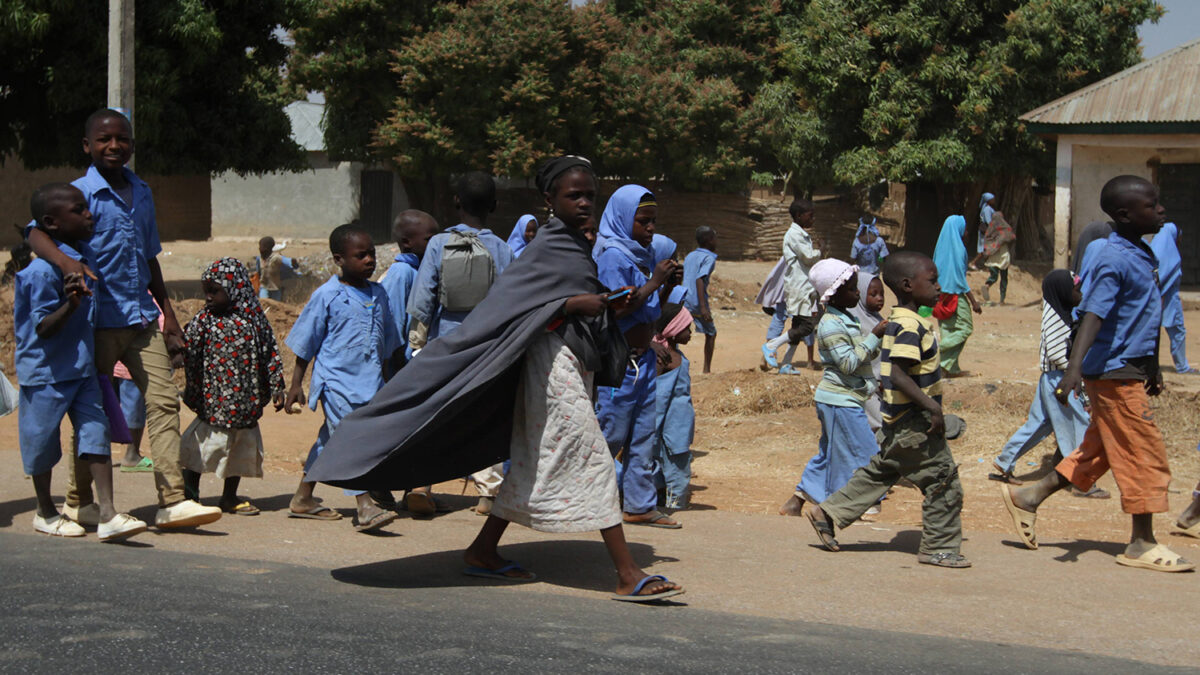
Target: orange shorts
{"points": [[1122, 437]]}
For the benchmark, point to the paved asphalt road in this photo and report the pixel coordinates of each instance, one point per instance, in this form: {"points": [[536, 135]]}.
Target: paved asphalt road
{"points": [[67, 606]]}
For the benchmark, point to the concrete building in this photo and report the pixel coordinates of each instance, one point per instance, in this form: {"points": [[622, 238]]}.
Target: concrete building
{"points": [[311, 203], [1144, 121]]}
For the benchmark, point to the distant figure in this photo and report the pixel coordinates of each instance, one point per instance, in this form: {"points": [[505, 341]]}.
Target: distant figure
{"points": [[697, 272], [675, 427], [800, 252], [956, 302], [987, 209], [272, 268], [997, 252], [869, 248], [523, 233], [1170, 274]]}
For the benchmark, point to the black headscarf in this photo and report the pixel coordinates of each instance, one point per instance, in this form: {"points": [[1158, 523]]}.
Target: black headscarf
{"points": [[1056, 291], [557, 167], [1091, 232]]}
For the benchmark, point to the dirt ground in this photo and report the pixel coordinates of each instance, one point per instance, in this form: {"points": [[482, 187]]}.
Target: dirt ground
{"points": [[755, 431]]}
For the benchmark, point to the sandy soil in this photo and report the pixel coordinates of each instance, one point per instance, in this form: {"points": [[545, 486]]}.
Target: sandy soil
{"points": [[757, 430]]}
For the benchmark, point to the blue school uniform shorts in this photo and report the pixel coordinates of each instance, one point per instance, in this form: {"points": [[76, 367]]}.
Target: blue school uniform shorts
{"points": [[704, 327], [40, 414]]}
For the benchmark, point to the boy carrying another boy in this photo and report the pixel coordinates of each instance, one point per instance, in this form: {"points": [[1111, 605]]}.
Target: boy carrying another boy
{"points": [[125, 243], [53, 314], [697, 271], [273, 268], [913, 438], [347, 331], [1115, 355]]}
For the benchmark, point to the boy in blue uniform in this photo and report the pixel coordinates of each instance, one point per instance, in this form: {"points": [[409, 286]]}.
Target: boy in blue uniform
{"points": [[53, 314], [697, 271], [125, 243], [475, 199], [347, 331], [1115, 357]]}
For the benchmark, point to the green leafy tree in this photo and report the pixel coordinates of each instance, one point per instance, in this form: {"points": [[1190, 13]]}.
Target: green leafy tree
{"points": [[208, 83]]}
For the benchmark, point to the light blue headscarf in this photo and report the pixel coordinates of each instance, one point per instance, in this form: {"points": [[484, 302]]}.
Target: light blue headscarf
{"points": [[662, 247], [983, 200], [516, 240], [616, 226], [864, 226], [1166, 248], [950, 256]]}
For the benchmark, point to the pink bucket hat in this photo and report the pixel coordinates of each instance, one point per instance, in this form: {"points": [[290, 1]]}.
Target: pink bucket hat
{"points": [[828, 275]]}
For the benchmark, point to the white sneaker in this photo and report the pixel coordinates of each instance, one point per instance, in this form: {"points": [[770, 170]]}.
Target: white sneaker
{"points": [[57, 526], [122, 526], [187, 513], [88, 515]]}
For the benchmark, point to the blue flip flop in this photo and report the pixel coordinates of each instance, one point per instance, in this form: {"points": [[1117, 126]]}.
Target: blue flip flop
{"points": [[634, 597], [499, 573]]}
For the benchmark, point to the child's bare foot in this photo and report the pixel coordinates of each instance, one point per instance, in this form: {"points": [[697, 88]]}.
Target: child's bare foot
{"points": [[794, 506], [813, 365]]}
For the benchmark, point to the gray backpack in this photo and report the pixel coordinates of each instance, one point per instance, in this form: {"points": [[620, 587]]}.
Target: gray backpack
{"points": [[467, 272]]}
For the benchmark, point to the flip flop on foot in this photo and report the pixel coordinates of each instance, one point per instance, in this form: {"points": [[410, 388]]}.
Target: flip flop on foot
{"points": [[243, 508], [1095, 492], [1023, 520], [944, 559], [509, 571], [638, 596], [1003, 475], [420, 503], [822, 527], [316, 513], [1193, 531], [374, 522], [769, 358], [1160, 559], [651, 519], [144, 465]]}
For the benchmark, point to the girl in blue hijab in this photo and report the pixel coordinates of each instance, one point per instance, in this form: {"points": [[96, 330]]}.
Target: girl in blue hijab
{"points": [[868, 249], [957, 302], [1170, 274], [523, 233]]}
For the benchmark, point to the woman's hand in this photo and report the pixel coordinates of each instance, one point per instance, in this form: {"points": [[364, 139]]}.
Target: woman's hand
{"points": [[663, 271]]}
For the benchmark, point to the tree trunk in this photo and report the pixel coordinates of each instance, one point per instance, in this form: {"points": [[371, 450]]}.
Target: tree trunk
{"points": [[432, 194]]}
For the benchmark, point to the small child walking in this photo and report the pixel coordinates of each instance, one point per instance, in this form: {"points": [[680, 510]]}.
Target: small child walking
{"points": [[1060, 296], [272, 268], [800, 252], [868, 248], [913, 438], [676, 423], [697, 271], [233, 371], [53, 316], [847, 441], [997, 252], [347, 332]]}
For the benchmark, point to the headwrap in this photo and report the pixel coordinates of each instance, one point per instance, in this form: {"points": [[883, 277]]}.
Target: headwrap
{"points": [[616, 226], [1091, 232], [516, 240], [950, 256], [1166, 249], [999, 233], [984, 199], [556, 167], [232, 362], [864, 226], [661, 246], [681, 320], [1056, 292], [828, 275], [866, 318]]}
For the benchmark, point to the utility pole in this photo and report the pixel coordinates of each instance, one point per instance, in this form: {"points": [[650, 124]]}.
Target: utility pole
{"points": [[120, 58]]}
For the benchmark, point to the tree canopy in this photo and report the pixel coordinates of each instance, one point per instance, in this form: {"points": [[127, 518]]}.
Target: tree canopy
{"points": [[208, 85]]}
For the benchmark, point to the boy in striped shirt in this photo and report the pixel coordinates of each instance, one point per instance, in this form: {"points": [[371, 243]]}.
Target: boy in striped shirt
{"points": [[913, 438]]}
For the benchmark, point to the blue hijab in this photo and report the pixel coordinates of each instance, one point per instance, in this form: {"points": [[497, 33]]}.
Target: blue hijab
{"points": [[616, 227], [1166, 249], [864, 226], [950, 256], [516, 240], [662, 247]]}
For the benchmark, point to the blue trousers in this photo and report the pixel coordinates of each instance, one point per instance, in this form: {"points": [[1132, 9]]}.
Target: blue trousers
{"points": [[1172, 321], [133, 403], [677, 475], [40, 410], [847, 444], [335, 408], [627, 417], [1046, 415]]}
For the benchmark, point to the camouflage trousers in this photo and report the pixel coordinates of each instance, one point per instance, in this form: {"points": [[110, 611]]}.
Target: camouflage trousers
{"points": [[906, 451]]}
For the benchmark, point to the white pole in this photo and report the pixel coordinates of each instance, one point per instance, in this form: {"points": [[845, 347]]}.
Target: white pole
{"points": [[120, 57]]}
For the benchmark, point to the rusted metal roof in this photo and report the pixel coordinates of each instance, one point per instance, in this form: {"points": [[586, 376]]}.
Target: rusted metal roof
{"points": [[1163, 89]]}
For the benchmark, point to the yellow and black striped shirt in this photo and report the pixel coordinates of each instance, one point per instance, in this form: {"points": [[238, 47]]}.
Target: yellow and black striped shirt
{"points": [[909, 336]]}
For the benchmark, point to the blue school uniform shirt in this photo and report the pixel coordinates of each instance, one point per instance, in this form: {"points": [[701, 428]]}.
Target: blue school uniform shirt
{"points": [[423, 304], [70, 353], [698, 264], [616, 270], [348, 334], [398, 282], [676, 416], [1124, 294], [124, 242]]}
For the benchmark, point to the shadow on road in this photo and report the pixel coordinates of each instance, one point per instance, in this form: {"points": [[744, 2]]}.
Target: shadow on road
{"points": [[577, 564], [11, 508]]}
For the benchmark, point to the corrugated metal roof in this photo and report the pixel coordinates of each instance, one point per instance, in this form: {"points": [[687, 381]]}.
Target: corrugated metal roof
{"points": [[306, 118], [1162, 89]]}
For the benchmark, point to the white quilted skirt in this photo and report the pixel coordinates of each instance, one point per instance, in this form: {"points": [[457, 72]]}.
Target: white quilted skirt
{"points": [[562, 477]]}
